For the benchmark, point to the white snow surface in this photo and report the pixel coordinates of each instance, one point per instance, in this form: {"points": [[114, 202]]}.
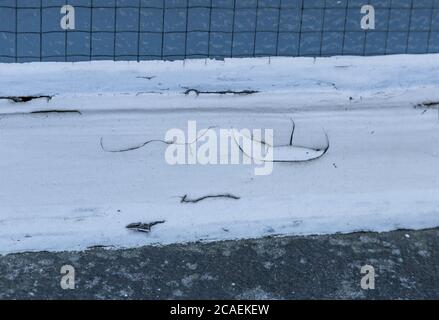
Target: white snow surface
{"points": [[59, 190]]}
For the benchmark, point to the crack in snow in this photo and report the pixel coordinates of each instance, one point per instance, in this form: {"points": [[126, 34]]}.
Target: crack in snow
{"points": [[307, 153], [185, 199], [241, 92], [143, 227], [56, 111], [22, 99], [143, 144]]}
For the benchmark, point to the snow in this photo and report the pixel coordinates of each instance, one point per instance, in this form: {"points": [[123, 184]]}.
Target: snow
{"points": [[59, 190]]}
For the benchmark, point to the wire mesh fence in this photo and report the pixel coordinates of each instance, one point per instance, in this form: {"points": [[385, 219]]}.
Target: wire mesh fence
{"points": [[75, 30]]}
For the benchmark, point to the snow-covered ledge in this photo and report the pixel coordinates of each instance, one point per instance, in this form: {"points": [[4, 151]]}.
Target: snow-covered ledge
{"points": [[345, 81], [62, 187]]}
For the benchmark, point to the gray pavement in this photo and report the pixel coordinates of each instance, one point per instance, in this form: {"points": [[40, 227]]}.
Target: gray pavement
{"points": [[406, 265]]}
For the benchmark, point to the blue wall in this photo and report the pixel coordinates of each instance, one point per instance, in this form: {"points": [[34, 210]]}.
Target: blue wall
{"points": [[175, 29]]}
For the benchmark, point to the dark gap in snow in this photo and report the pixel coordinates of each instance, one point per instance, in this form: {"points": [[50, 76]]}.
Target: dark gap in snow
{"points": [[241, 92], [56, 111], [330, 84], [133, 147], [143, 144], [143, 227], [291, 144], [293, 129], [146, 77], [185, 199], [429, 104], [324, 150], [23, 99]]}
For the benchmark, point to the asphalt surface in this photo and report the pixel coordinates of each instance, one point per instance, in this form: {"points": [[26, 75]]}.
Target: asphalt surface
{"points": [[406, 265]]}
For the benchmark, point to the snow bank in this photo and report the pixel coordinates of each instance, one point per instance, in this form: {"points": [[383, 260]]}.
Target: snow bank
{"points": [[60, 190]]}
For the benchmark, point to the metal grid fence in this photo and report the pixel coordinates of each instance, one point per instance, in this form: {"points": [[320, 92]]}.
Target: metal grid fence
{"points": [[30, 30]]}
